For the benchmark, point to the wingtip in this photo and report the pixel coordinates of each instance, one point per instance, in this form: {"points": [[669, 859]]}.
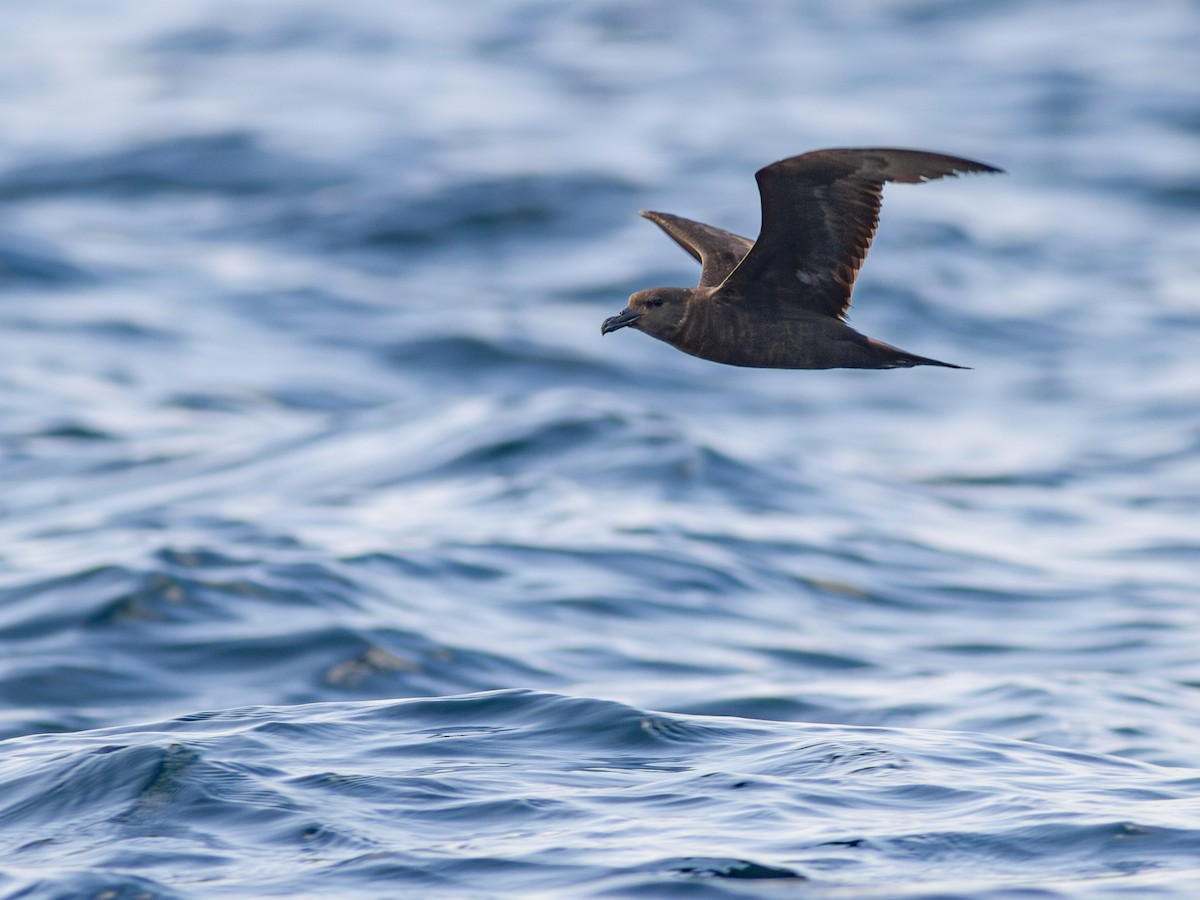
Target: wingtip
{"points": [[974, 168], [981, 168]]}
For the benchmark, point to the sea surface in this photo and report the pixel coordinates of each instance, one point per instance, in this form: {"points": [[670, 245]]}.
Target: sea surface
{"points": [[341, 556]]}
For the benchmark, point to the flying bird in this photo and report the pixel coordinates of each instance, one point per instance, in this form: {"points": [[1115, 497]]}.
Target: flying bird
{"points": [[780, 301]]}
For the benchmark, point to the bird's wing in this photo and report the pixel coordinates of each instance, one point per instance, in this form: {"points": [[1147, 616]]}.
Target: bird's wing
{"points": [[819, 213], [718, 251]]}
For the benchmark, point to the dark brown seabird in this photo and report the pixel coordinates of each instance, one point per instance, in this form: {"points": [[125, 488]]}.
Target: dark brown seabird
{"points": [[780, 302]]}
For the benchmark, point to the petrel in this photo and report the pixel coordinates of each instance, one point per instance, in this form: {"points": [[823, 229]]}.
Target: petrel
{"points": [[780, 301]]}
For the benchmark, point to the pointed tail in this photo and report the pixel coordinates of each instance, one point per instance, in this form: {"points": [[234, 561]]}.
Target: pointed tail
{"points": [[895, 358]]}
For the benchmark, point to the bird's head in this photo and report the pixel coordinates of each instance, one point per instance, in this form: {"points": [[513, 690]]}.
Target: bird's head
{"points": [[658, 311]]}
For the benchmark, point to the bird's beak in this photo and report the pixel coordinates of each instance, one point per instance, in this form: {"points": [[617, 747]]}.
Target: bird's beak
{"points": [[620, 320]]}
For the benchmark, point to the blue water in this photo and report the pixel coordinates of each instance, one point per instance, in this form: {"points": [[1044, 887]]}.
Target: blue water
{"points": [[341, 556]]}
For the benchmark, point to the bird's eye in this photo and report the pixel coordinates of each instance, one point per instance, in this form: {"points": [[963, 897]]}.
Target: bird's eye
{"points": [[657, 301]]}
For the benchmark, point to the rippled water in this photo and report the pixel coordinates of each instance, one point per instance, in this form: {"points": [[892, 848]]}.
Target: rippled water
{"points": [[340, 556]]}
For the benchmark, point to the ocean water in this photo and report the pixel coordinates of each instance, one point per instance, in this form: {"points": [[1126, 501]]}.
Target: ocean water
{"points": [[341, 556]]}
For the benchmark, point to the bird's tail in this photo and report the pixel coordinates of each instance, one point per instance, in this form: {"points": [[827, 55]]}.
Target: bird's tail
{"points": [[895, 358]]}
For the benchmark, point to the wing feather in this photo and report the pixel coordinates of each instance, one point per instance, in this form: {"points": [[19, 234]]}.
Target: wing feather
{"points": [[718, 251], [819, 215]]}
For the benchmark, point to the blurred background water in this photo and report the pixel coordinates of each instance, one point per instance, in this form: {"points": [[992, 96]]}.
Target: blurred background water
{"points": [[339, 555]]}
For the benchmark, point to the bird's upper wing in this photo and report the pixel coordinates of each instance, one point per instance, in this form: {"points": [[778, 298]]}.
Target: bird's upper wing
{"points": [[819, 213], [718, 251]]}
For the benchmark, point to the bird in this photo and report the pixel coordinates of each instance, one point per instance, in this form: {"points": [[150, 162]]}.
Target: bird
{"points": [[781, 301]]}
